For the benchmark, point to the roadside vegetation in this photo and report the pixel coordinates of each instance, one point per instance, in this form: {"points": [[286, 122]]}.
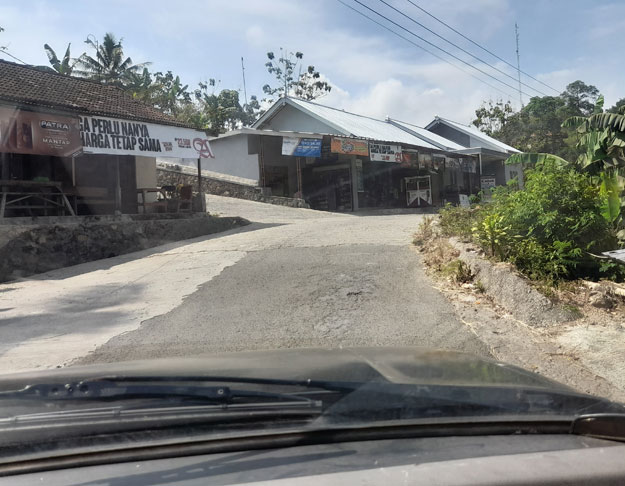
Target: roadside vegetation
{"points": [[569, 212]]}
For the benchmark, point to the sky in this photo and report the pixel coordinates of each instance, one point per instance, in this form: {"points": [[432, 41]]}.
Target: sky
{"points": [[372, 71]]}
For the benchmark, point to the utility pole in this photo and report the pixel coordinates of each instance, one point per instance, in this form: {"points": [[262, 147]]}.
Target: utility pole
{"points": [[518, 61], [244, 88]]}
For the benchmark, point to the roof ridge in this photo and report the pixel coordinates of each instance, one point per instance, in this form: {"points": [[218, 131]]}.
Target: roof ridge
{"points": [[407, 123], [52, 72], [336, 109]]}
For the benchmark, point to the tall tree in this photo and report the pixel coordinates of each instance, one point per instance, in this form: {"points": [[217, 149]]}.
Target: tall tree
{"points": [[61, 66], [491, 118], [170, 94], [580, 98], [291, 81], [617, 106], [108, 66]]}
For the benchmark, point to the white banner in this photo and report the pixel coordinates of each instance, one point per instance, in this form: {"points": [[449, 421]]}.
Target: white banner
{"points": [[101, 135], [384, 152]]}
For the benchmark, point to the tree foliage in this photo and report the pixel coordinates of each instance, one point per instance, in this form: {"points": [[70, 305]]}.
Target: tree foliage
{"points": [[537, 127], [291, 81], [61, 66], [109, 65]]}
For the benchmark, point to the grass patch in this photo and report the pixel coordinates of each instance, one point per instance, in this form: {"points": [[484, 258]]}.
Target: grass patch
{"points": [[458, 271]]}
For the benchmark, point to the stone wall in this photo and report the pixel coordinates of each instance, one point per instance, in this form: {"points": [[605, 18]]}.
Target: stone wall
{"points": [[37, 248], [210, 185]]}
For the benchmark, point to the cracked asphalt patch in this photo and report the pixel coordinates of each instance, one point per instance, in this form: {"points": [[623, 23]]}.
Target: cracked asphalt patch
{"points": [[355, 295]]}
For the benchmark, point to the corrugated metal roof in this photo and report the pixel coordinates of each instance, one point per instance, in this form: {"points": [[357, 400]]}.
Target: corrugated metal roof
{"points": [[430, 137], [360, 126], [475, 132]]}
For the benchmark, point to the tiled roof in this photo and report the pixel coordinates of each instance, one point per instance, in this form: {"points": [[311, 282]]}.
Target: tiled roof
{"points": [[28, 85]]}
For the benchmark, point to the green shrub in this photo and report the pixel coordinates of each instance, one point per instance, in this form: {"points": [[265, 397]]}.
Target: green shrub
{"points": [[550, 229], [457, 221]]}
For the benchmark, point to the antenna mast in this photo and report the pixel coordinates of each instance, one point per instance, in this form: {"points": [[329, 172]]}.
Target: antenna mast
{"points": [[518, 61], [244, 88]]}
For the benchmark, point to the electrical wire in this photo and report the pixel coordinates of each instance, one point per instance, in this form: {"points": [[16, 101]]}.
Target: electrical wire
{"points": [[440, 48], [423, 48], [459, 48], [4, 51], [480, 46]]}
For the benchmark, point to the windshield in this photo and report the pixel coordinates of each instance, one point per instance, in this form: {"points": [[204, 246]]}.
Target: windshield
{"points": [[252, 215]]}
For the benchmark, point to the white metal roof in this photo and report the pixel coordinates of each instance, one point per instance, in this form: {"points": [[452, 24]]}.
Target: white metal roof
{"points": [[428, 136], [475, 132], [351, 124], [255, 131]]}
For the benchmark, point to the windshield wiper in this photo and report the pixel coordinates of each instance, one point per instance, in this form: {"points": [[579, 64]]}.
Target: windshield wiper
{"points": [[178, 389]]}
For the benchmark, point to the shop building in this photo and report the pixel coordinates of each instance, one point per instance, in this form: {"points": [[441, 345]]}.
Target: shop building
{"points": [[70, 146], [340, 161], [491, 153]]}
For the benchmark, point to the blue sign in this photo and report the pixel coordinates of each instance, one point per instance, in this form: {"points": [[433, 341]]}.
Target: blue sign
{"points": [[301, 147]]}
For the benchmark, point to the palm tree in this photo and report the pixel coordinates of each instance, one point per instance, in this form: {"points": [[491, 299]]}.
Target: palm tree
{"points": [[109, 65], [66, 66]]}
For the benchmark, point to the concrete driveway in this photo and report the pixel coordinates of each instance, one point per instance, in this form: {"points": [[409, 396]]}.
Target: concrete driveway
{"points": [[293, 278]]}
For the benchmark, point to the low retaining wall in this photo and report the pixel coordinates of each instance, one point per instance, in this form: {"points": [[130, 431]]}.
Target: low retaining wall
{"points": [[219, 187], [511, 290], [36, 248]]}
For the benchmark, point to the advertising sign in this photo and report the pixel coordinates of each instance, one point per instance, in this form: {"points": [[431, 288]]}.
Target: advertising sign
{"points": [[360, 180], [27, 132], [349, 146], [410, 159], [301, 147], [487, 182], [101, 135], [385, 152]]}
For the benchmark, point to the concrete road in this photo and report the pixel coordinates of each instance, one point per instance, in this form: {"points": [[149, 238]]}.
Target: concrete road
{"points": [[293, 278]]}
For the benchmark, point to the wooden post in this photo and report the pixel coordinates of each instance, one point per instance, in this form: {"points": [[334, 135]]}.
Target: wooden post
{"points": [[261, 160], [118, 188], [300, 188], [73, 171], [199, 186]]}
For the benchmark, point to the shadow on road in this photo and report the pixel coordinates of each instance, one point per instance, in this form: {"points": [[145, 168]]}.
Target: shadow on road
{"points": [[107, 263], [86, 311]]}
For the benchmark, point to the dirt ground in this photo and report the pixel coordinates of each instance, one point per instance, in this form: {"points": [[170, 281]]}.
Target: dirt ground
{"points": [[586, 353]]}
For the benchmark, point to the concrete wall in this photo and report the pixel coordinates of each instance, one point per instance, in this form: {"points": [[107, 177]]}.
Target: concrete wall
{"points": [[146, 176], [233, 157], [289, 119], [224, 188], [146, 171]]}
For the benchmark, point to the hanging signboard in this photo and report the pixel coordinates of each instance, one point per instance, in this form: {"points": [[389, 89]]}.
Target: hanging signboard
{"points": [[410, 159], [385, 152], [487, 182], [28, 132], [349, 146], [301, 147], [101, 135]]}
